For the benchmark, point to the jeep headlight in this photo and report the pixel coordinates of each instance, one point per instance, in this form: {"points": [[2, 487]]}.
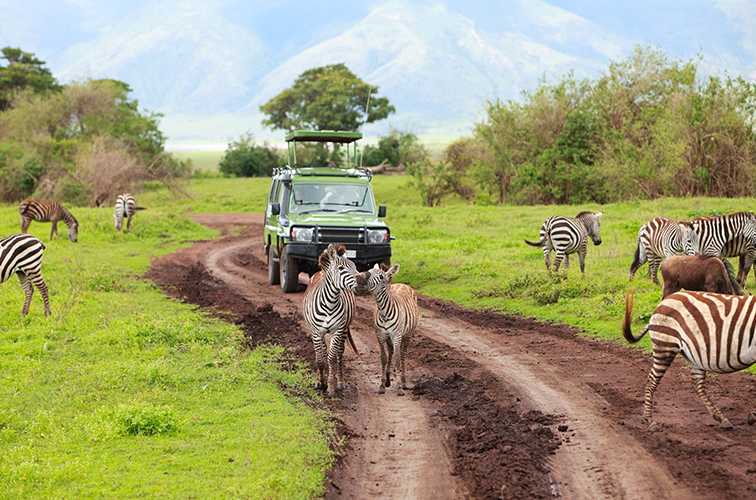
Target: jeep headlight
{"points": [[302, 233], [376, 236]]}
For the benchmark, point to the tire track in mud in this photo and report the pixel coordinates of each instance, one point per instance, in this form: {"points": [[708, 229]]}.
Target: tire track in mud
{"points": [[421, 448]]}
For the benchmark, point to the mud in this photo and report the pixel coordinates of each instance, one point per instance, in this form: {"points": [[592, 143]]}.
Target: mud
{"points": [[494, 395]]}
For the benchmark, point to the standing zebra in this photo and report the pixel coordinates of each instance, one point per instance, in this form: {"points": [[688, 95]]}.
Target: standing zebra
{"points": [[714, 332], [327, 307], [48, 211], [395, 320], [567, 235], [732, 235], [22, 254], [660, 238], [125, 206]]}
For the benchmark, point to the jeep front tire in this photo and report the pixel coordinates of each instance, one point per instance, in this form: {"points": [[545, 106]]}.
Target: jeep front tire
{"points": [[274, 273], [289, 272]]}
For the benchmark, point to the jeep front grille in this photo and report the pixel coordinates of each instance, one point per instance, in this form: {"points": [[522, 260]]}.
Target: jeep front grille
{"points": [[340, 235]]}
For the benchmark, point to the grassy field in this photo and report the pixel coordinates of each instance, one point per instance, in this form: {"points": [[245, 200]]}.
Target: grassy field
{"points": [[126, 393], [202, 161], [475, 255]]}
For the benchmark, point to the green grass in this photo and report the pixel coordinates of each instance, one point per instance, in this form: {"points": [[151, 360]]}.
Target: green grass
{"points": [[126, 393], [202, 161], [475, 255]]}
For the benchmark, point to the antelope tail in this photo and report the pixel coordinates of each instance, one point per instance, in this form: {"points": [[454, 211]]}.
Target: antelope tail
{"points": [[626, 324]]}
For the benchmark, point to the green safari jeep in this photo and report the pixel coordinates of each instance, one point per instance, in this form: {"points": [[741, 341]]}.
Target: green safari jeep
{"points": [[312, 205]]}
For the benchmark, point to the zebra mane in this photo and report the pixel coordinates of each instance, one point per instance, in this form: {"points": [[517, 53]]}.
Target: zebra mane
{"points": [[325, 258], [584, 213]]}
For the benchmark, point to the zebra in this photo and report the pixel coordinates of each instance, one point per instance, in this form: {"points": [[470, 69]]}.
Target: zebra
{"points": [[567, 235], [660, 238], [125, 207], [732, 235], [22, 254], [327, 308], [714, 332], [48, 211], [395, 320]]}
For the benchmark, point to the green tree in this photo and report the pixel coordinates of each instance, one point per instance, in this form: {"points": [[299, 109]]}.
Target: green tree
{"points": [[244, 158], [397, 148], [326, 98], [23, 71]]}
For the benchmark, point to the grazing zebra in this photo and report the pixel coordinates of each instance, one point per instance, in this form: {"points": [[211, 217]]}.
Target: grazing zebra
{"points": [[395, 320], [732, 235], [567, 235], [327, 307], [48, 211], [22, 254], [125, 206], [714, 332], [660, 238]]}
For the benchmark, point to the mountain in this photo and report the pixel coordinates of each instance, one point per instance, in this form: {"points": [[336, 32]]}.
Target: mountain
{"points": [[207, 65]]}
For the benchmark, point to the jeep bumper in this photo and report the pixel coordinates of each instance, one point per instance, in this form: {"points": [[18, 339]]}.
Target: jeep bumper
{"points": [[366, 255]]}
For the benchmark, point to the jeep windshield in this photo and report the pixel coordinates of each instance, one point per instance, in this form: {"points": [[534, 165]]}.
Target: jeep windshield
{"points": [[341, 198]]}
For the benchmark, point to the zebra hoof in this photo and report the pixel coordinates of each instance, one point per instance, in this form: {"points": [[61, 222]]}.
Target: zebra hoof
{"points": [[653, 426], [400, 392], [381, 390], [725, 425], [751, 418]]}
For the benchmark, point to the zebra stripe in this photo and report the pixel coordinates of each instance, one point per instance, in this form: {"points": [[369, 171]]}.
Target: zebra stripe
{"points": [[714, 332], [660, 238], [22, 254], [732, 235], [395, 320], [327, 308], [125, 207], [567, 235], [48, 211]]}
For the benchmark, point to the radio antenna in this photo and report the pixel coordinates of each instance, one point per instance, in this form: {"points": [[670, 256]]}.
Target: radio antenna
{"points": [[367, 114]]}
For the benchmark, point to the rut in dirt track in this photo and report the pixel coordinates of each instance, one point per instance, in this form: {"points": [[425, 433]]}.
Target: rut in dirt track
{"points": [[491, 391]]}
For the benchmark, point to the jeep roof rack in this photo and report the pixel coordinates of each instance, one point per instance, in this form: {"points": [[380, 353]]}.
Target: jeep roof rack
{"points": [[288, 172], [339, 136]]}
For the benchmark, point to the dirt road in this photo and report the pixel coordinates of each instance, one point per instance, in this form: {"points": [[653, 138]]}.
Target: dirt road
{"points": [[502, 406]]}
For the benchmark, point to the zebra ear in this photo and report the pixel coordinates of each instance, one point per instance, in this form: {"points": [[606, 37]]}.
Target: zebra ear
{"points": [[392, 271], [599, 214], [376, 267]]}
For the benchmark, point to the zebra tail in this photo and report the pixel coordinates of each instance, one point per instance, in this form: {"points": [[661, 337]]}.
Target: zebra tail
{"points": [[626, 324], [538, 243], [140, 208], [351, 341]]}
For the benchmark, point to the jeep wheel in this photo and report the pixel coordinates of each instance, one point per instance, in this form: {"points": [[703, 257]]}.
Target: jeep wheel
{"points": [[274, 273], [289, 272]]}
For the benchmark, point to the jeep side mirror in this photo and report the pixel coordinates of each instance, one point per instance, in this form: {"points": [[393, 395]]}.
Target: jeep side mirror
{"points": [[275, 209], [382, 211]]}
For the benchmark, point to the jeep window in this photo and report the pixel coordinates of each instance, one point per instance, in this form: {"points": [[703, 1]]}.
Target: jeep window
{"points": [[342, 198]]}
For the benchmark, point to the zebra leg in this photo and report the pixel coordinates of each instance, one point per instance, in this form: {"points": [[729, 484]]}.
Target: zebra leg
{"points": [[25, 222], [566, 262], [384, 357], [335, 351], [128, 223], [699, 377], [39, 282], [319, 346], [547, 256], [405, 345], [559, 255], [662, 362], [28, 292], [398, 355], [389, 362], [653, 268], [581, 259]]}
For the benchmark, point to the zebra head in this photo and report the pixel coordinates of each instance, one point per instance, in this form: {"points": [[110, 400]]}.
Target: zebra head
{"points": [[689, 238], [592, 223], [339, 270], [378, 279], [73, 231]]}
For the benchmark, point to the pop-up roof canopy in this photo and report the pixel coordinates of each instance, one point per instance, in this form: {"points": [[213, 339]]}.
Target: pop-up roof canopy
{"points": [[342, 137]]}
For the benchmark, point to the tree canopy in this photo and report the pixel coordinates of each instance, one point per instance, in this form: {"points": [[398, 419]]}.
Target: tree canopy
{"points": [[22, 71], [326, 98]]}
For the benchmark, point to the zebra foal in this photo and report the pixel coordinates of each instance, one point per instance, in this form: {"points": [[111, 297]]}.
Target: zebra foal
{"points": [[48, 211], [714, 332], [567, 235], [21, 254], [660, 238], [125, 208], [327, 309], [395, 320]]}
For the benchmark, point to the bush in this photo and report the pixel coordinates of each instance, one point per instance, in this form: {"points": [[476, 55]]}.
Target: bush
{"points": [[395, 149], [433, 180], [147, 420], [244, 158]]}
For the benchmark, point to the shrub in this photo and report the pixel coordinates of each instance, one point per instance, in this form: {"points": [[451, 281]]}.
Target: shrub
{"points": [[147, 420], [244, 158], [433, 180]]}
